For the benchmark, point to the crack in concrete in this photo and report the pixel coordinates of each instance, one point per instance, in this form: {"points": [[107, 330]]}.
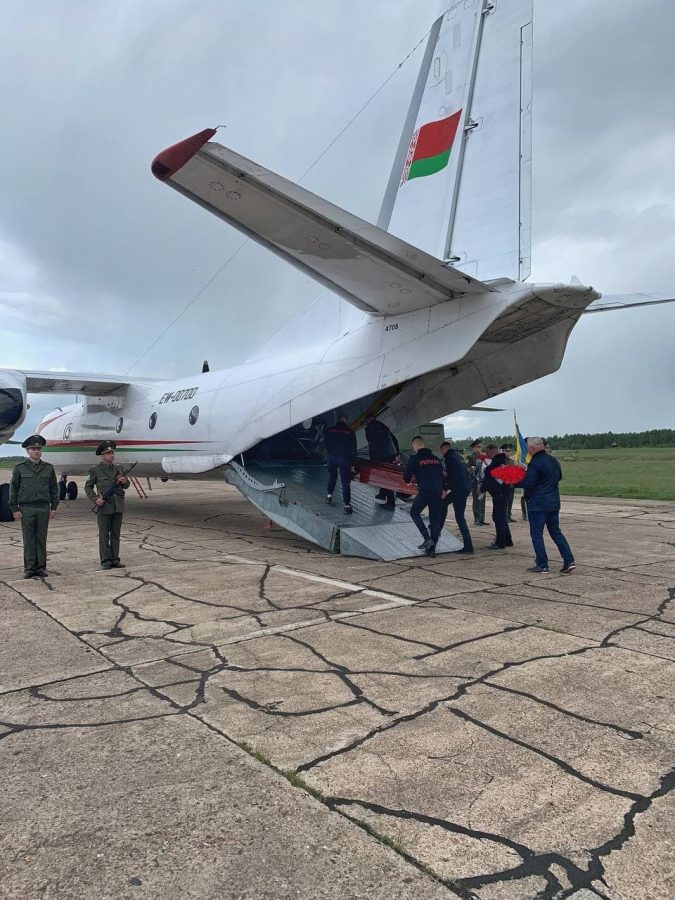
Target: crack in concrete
{"points": [[556, 760], [532, 863], [628, 732]]}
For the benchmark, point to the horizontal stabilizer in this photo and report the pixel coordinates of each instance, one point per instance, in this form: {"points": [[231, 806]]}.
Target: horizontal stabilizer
{"points": [[365, 265], [629, 301]]}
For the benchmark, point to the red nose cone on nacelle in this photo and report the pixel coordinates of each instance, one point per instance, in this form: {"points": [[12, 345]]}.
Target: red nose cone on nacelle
{"points": [[169, 161]]}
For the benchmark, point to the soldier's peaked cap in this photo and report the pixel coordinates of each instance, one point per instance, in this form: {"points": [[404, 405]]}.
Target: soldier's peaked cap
{"points": [[35, 440], [104, 446]]}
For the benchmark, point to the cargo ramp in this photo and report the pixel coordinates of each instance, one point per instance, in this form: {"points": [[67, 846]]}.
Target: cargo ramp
{"points": [[292, 494]]}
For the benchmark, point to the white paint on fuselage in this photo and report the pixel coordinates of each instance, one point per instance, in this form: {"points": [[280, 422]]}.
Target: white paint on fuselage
{"points": [[247, 403]]}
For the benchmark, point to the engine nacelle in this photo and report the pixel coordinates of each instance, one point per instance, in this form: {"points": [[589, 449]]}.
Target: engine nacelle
{"points": [[13, 405]]}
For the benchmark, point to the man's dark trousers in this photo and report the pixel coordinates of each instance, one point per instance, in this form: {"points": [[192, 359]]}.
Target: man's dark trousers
{"points": [[109, 528], [385, 493], [458, 504], [342, 465], [478, 506], [539, 518], [434, 500], [500, 506], [34, 525]]}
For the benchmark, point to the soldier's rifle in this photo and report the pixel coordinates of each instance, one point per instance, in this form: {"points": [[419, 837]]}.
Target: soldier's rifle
{"points": [[113, 489]]}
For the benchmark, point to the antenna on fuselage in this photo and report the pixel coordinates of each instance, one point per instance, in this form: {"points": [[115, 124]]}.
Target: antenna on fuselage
{"points": [[205, 366]]}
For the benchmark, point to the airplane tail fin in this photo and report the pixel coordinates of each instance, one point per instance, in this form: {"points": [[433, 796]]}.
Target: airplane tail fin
{"points": [[460, 185]]}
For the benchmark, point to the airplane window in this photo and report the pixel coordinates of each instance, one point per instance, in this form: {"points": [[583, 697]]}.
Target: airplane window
{"points": [[152, 421], [118, 427], [66, 433], [194, 415]]}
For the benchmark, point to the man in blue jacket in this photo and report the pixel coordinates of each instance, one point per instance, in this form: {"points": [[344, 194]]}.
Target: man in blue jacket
{"points": [[543, 505], [340, 453], [428, 472], [458, 484]]}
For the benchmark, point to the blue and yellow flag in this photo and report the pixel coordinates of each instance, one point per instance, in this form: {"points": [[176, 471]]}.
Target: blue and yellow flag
{"points": [[522, 456]]}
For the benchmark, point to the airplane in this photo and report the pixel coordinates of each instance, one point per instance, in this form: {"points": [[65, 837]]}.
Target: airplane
{"points": [[426, 313]]}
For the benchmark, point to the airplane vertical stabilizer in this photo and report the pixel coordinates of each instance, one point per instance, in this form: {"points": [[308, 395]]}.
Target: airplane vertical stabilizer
{"points": [[460, 184]]}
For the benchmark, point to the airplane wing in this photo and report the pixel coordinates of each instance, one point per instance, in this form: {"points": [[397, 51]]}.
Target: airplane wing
{"points": [[78, 383], [628, 301], [365, 265], [15, 384]]}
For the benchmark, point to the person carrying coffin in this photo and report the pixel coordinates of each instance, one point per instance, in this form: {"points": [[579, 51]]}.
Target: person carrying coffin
{"points": [[458, 485], [340, 452], [427, 470], [382, 447]]}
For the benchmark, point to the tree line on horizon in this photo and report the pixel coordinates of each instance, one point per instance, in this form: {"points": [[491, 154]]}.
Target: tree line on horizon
{"points": [[657, 437]]}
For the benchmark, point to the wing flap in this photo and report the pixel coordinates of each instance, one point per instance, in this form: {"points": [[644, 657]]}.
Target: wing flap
{"points": [[90, 385], [365, 265]]}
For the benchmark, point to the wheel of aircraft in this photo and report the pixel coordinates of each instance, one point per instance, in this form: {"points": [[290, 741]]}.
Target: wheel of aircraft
{"points": [[5, 511], [62, 490], [71, 490]]}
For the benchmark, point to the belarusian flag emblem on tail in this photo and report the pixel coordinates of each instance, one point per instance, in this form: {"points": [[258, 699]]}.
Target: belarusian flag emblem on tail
{"points": [[430, 147]]}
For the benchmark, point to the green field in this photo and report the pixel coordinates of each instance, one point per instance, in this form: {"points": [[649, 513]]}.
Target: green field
{"points": [[646, 473]]}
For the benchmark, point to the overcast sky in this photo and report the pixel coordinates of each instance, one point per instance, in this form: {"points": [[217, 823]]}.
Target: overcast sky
{"points": [[97, 257]]}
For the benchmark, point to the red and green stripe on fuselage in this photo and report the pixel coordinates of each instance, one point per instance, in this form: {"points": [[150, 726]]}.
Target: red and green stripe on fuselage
{"points": [[124, 446]]}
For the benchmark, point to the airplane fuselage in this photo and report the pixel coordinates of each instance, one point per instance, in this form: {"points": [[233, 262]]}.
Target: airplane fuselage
{"points": [[442, 359]]}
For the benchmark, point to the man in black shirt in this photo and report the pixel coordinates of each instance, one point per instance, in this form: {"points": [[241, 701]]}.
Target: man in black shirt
{"points": [[340, 452], [383, 447], [506, 450], [428, 472], [458, 485], [500, 498]]}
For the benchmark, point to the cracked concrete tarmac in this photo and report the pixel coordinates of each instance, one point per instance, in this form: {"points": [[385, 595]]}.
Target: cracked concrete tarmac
{"points": [[239, 714]]}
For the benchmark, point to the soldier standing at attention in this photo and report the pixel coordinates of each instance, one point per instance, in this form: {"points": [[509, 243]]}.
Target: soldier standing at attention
{"points": [[33, 498], [477, 466], [105, 488]]}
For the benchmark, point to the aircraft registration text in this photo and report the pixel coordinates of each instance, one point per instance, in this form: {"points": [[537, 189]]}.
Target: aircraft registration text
{"points": [[185, 394]]}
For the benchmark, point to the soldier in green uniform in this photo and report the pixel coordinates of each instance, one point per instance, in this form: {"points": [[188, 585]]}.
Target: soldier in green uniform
{"points": [[33, 498], [105, 488]]}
